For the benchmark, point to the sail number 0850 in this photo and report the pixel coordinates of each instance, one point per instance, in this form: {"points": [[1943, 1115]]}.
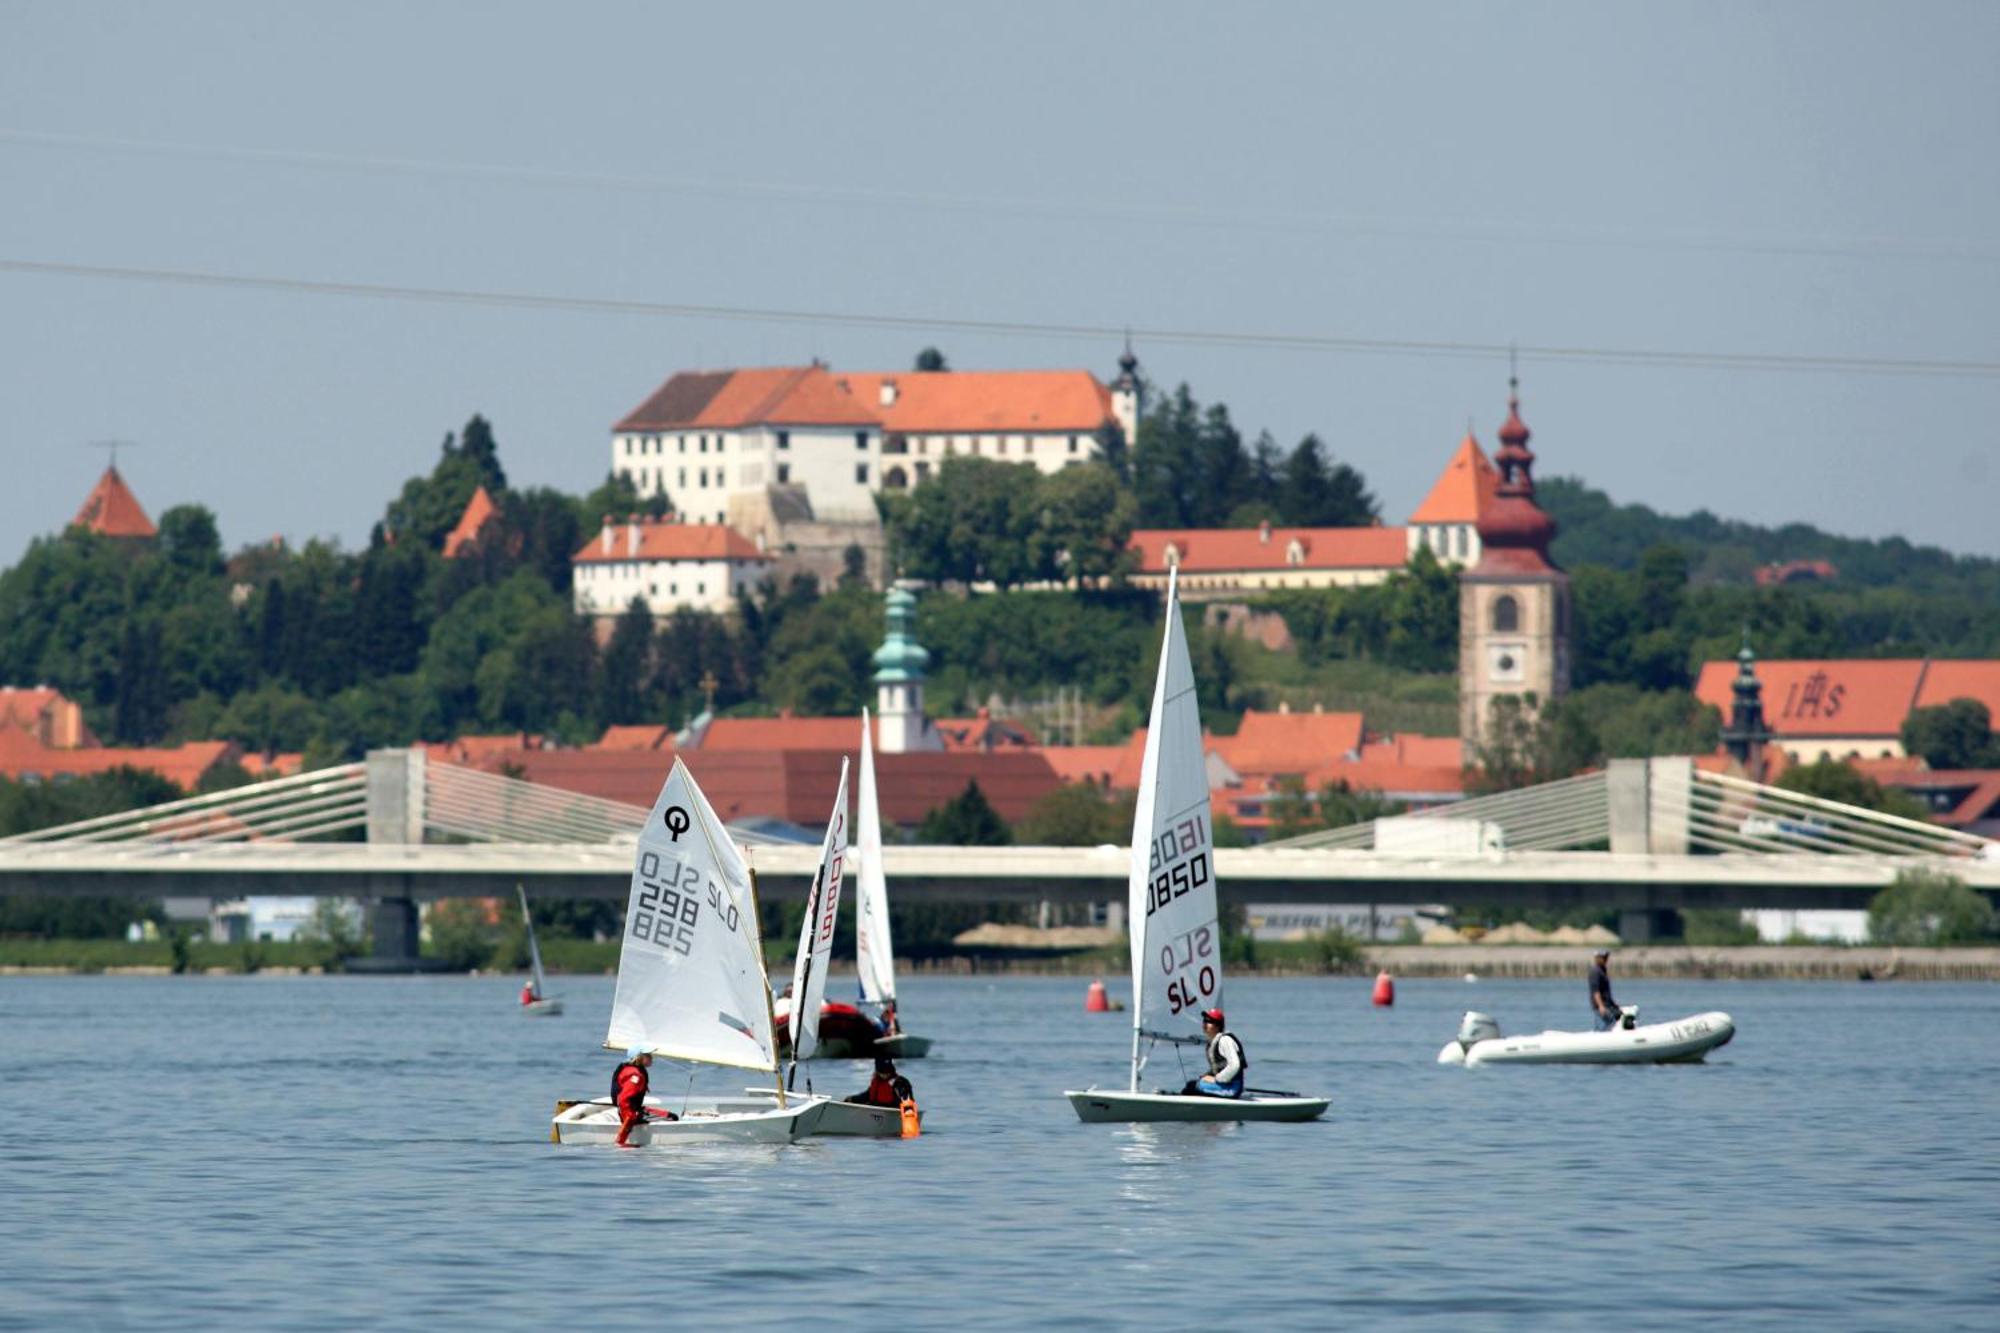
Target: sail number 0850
{"points": [[1178, 862]]}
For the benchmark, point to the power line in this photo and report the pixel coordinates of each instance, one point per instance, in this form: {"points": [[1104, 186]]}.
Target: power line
{"points": [[1234, 220], [1864, 365]]}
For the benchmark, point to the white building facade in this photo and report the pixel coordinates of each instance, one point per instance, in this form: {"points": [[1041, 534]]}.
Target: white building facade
{"points": [[667, 564]]}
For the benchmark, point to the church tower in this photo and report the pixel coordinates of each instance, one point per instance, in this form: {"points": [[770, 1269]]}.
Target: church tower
{"points": [[1513, 605], [1746, 735], [1127, 396], [900, 724]]}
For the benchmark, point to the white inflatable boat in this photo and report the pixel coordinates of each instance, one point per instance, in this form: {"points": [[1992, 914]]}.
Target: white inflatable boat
{"points": [[1685, 1039]]}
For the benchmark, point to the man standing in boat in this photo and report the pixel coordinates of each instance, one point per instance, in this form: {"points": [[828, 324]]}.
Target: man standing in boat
{"points": [[1603, 1008], [1226, 1062]]}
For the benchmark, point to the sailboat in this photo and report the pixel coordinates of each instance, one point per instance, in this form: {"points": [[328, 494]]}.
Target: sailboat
{"points": [[874, 954], [809, 971], [535, 1000], [1176, 937], [691, 983]]}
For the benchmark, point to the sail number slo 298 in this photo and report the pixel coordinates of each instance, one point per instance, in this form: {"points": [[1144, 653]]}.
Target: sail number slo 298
{"points": [[669, 904]]}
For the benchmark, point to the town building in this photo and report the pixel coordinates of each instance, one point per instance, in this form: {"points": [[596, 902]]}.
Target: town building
{"points": [[1514, 616], [665, 563], [43, 738], [111, 510], [479, 511], [1447, 522], [704, 438], [1849, 709]]}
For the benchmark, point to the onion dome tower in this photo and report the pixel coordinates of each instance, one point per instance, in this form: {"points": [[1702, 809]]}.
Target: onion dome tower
{"points": [[900, 724], [1746, 735], [1128, 395], [1513, 605]]}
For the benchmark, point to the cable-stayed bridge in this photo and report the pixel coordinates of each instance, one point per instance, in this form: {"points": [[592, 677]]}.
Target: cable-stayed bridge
{"points": [[1642, 837]]}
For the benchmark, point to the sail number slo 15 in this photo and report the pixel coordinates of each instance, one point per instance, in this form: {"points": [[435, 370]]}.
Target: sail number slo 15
{"points": [[1181, 862]]}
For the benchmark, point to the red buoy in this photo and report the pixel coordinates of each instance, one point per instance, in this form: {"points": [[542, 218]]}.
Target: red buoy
{"points": [[1385, 988], [1095, 1001]]}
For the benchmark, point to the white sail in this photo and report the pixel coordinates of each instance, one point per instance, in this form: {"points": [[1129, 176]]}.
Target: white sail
{"points": [[816, 931], [691, 982], [1176, 942], [534, 954], [874, 956]]}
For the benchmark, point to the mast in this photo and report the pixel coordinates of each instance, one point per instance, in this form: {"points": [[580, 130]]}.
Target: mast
{"points": [[770, 1014]]}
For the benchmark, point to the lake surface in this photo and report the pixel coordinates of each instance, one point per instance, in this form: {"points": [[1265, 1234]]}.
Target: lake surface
{"points": [[351, 1152]]}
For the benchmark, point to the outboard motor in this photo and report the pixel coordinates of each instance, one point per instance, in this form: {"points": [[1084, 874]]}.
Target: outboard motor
{"points": [[1628, 1016], [1477, 1027]]}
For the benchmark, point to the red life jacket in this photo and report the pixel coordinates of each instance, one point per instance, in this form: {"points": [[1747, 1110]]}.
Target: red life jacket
{"points": [[882, 1091], [528, 995], [629, 1083]]}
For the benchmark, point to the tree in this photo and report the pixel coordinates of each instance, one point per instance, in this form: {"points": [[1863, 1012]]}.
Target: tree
{"points": [[1831, 780], [1925, 908], [929, 359], [1076, 814], [1084, 525], [975, 521], [1953, 735], [967, 820], [625, 667]]}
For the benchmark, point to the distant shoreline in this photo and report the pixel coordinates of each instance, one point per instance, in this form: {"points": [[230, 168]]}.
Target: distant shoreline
{"points": [[1757, 962]]}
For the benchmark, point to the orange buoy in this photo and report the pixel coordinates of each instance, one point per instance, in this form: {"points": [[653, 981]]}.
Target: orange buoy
{"points": [[912, 1124], [1095, 1001], [1385, 988]]}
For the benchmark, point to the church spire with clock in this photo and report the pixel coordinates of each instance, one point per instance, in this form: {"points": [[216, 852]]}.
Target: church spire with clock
{"points": [[1513, 605]]}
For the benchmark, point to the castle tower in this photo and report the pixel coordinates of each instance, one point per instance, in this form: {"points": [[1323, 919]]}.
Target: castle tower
{"points": [[1513, 605], [112, 510], [900, 724], [1128, 396], [1746, 735]]}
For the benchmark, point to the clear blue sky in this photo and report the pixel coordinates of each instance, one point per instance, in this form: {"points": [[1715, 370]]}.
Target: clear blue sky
{"points": [[1798, 180]]}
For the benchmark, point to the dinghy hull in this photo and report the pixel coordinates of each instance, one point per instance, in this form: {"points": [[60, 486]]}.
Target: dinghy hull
{"points": [[596, 1122], [854, 1120], [542, 1008], [1683, 1041], [1097, 1106], [903, 1046]]}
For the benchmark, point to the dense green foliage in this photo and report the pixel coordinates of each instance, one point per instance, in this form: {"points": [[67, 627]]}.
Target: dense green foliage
{"points": [[1831, 780], [1190, 469], [1958, 734], [1923, 908], [27, 806], [1585, 728], [986, 520], [1409, 621]]}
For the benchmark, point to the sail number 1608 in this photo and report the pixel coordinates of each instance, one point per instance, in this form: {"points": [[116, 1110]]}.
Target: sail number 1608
{"points": [[1178, 863]]}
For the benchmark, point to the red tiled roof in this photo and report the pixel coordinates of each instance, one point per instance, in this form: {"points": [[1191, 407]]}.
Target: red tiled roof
{"points": [[475, 750], [44, 713], [277, 766], [478, 511], [1223, 550], [183, 765], [640, 736], [1115, 767], [1285, 742], [1420, 751], [784, 732], [1945, 681], [1465, 490], [796, 785], [1979, 802], [728, 399], [983, 732], [985, 402], [1823, 698], [113, 510], [667, 539]]}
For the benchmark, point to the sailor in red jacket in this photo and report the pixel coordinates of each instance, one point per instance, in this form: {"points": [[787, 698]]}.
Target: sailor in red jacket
{"points": [[528, 995], [887, 1088], [628, 1092]]}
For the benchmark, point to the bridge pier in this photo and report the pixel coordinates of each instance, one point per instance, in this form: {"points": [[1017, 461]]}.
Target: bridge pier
{"points": [[1649, 925], [395, 807]]}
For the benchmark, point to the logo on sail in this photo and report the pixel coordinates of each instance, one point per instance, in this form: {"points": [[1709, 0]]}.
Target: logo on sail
{"points": [[677, 821]]}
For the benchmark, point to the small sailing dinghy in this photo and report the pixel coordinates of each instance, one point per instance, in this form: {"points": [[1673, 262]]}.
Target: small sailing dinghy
{"points": [[1683, 1041], [691, 984], [874, 954], [535, 997], [1176, 938]]}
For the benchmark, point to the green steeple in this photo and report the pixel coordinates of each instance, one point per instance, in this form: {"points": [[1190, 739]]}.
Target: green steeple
{"points": [[901, 659]]}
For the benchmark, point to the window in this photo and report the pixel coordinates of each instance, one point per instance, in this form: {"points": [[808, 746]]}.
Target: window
{"points": [[684, 478], [684, 444], [895, 444], [1506, 614], [1000, 447], [1072, 444], [861, 474], [784, 441], [704, 444], [895, 479], [860, 439], [701, 590], [784, 473], [923, 471], [718, 442], [704, 476]]}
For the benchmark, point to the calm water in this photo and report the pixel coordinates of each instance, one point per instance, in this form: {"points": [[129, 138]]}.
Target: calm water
{"points": [[350, 1152]]}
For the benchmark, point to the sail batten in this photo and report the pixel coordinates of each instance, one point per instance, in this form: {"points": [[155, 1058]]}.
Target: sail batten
{"points": [[1176, 938]]}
